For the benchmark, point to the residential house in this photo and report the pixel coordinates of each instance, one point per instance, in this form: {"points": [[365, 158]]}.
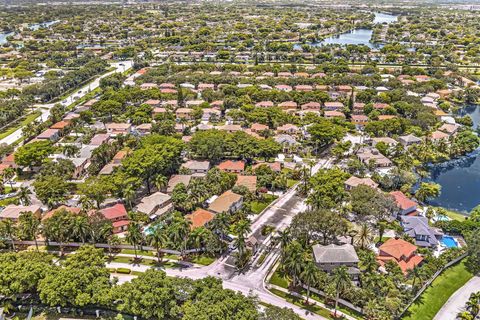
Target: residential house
{"points": [[353, 182], [275, 166], [264, 104], [359, 120], [257, 127], [311, 106], [49, 134], [287, 105], [332, 256], [450, 128], [99, 139], [177, 179], [184, 113], [118, 215], [148, 86], [438, 136], [405, 205], [115, 129], [288, 129], [144, 129], [155, 205], [334, 114], [200, 218], [49, 214], [196, 166], [228, 201], [368, 155], [400, 251], [13, 212], [417, 228], [232, 166], [250, 182], [409, 140], [61, 125], [303, 87], [387, 140], [333, 106]]}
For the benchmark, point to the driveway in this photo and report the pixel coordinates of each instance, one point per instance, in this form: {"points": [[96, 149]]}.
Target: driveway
{"points": [[456, 303]]}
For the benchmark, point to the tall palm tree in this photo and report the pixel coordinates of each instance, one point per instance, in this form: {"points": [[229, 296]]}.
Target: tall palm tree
{"points": [[9, 230], [158, 238], [160, 182], [242, 228], [113, 240], [294, 261], [70, 150], [24, 195], [364, 236], [342, 281], [220, 224], [29, 225], [129, 194], [415, 274], [81, 227], [309, 275], [179, 232], [8, 174], [134, 235]]}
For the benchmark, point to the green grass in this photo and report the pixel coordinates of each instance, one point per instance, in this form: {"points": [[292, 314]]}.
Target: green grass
{"points": [[139, 252], [6, 202], [291, 182], [28, 119], [279, 280], [428, 304], [299, 302], [146, 262], [203, 260], [259, 205], [455, 215]]}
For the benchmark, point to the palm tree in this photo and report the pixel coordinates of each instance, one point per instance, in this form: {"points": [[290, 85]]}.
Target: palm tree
{"points": [[364, 236], [415, 274], [309, 275], [8, 174], [295, 261], [220, 224], [29, 225], [113, 240], [179, 232], [160, 182], [70, 150], [157, 239], [9, 230], [134, 235], [81, 227], [242, 228], [129, 195], [342, 280], [24, 196]]}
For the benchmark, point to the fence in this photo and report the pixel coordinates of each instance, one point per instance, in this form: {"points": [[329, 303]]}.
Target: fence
{"points": [[104, 246], [429, 282]]}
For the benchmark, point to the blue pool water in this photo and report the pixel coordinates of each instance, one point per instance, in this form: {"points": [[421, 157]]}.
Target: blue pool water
{"points": [[449, 242]]}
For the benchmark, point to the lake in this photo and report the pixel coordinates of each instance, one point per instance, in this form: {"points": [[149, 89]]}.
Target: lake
{"points": [[47, 24], [460, 179], [3, 37], [360, 36]]}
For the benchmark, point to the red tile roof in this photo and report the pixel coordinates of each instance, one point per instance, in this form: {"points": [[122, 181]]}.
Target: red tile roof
{"points": [[402, 200], [200, 217], [230, 165], [115, 212]]}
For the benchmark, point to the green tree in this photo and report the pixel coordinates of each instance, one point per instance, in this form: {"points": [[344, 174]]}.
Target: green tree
{"points": [[428, 190], [341, 280], [29, 226], [134, 235], [9, 230], [327, 188], [51, 190], [33, 154], [473, 249], [158, 239], [310, 276]]}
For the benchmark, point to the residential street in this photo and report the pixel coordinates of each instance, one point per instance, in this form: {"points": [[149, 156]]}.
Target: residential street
{"points": [[79, 93], [251, 281], [457, 301]]}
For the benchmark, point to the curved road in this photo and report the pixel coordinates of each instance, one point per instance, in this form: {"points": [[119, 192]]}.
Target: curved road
{"points": [[456, 303]]}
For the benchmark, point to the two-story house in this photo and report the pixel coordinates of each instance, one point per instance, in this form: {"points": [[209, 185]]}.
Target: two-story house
{"points": [[327, 258], [417, 227]]}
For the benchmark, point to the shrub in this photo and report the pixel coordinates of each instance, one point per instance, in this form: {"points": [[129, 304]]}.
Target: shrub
{"points": [[124, 270]]}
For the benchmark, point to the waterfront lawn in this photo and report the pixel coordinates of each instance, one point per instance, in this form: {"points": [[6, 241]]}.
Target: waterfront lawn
{"points": [[430, 302], [455, 215]]}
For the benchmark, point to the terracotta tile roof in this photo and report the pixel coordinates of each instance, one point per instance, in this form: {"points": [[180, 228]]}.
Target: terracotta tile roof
{"points": [[248, 181], [200, 217], [402, 200], [232, 165], [60, 125], [398, 248], [114, 212], [50, 213]]}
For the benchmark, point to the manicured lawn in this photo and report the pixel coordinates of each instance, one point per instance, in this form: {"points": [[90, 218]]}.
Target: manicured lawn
{"points": [[291, 182], [260, 205], [146, 262], [203, 260], [455, 215], [24, 122], [299, 302], [427, 306], [139, 252], [278, 280]]}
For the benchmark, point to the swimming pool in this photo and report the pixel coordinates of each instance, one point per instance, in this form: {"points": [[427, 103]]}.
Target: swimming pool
{"points": [[449, 242]]}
